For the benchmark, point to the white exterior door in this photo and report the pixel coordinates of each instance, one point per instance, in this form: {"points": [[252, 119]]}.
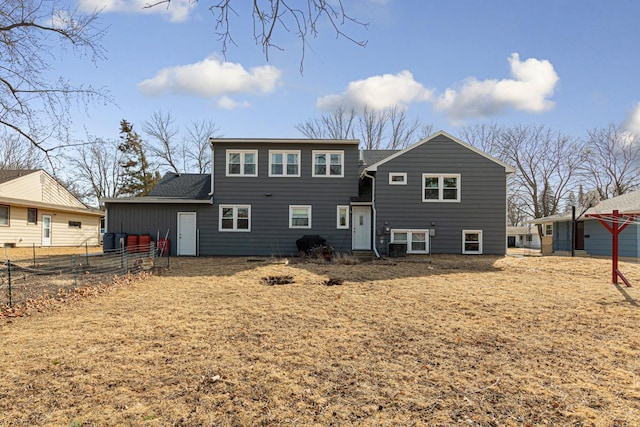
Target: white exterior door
{"points": [[186, 234], [46, 230], [361, 223]]}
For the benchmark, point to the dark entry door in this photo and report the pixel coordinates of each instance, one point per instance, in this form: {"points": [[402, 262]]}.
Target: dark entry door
{"points": [[579, 236]]}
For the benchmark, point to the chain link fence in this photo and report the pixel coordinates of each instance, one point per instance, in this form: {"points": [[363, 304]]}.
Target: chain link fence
{"points": [[27, 279]]}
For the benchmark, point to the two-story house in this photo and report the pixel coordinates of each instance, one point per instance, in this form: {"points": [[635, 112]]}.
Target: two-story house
{"points": [[439, 195]]}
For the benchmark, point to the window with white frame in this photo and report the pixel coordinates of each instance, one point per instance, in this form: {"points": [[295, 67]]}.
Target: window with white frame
{"points": [[440, 187], [284, 163], [343, 217], [472, 242], [4, 215], [299, 216], [397, 178], [242, 163], [328, 163], [548, 229], [235, 218], [417, 241]]}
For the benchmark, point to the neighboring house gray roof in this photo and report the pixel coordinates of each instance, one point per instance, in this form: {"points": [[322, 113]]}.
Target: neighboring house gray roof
{"points": [[11, 174], [513, 231], [194, 186], [627, 203]]}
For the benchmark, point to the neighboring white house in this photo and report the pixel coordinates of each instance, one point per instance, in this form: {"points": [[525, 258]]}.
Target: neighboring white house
{"points": [[35, 209], [523, 237]]}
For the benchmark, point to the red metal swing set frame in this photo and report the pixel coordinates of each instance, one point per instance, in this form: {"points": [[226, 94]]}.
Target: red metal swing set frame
{"points": [[615, 223]]}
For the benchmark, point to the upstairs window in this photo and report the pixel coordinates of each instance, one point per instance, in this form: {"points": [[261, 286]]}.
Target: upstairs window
{"points": [[440, 188], [242, 163], [328, 163], [397, 178], [284, 163]]}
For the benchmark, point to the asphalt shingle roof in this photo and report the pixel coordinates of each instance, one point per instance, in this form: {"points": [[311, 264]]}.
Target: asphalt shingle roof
{"points": [[183, 186]]}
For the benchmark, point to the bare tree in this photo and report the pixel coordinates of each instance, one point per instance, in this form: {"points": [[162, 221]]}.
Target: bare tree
{"points": [[336, 125], [389, 128], [97, 166], [31, 104], [165, 148], [196, 142], [402, 131], [546, 164], [271, 16], [15, 154], [612, 161]]}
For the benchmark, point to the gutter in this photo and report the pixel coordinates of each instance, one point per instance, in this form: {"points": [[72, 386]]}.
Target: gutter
{"points": [[212, 168]]}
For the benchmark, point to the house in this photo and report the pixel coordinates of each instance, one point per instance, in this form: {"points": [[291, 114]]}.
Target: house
{"points": [[37, 210], [523, 237], [440, 195], [586, 235]]}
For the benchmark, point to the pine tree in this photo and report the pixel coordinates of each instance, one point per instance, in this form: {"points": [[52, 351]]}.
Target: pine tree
{"points": [[138, 178]]}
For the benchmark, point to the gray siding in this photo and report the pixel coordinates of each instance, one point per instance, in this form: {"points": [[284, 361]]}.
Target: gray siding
{"points": [[597, 240], [562, 236], [482, 204], [270, 198], [155, 219]]}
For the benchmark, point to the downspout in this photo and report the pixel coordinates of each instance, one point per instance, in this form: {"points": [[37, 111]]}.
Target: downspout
{"points": [[373, 209], [212, 168]]}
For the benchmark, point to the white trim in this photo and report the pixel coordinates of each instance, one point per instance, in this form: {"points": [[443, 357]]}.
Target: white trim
{"points": [[346, 208], [234, 219], [158, 200], [312, 142], [472, 252], [242, 153], [441, 177], [409, 241], [284, 154], [397, 174], [374, 167], [328, 164], [291, 208]]}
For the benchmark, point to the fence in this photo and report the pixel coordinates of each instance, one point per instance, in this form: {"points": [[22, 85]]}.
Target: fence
{"points": [[27, 279]]}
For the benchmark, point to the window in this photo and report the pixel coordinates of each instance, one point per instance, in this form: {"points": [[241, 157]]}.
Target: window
{"points": [[284, 163], [75, 224], [472, 242], [4, 215], [397, 178], [242, 163], [299, 216], [343, 217], [440, 188], [416, 240], [328, 163], [235, 218], [32, 216], [548, 229]]}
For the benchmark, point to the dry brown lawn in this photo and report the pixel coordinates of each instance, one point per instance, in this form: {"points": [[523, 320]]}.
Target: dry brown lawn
{"points": [[440, 340]]}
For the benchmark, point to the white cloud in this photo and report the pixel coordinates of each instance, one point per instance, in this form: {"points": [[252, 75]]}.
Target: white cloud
{"points": [[378, 92], [176, 11], [633, 123], [226, 103], [212, 78], [533, 82]]}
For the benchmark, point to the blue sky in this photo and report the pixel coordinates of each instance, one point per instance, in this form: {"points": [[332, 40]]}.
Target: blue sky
{"points": [[572, 65]]}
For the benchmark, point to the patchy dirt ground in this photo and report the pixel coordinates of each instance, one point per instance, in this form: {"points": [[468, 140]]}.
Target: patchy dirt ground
{"points": [[439, 340]]}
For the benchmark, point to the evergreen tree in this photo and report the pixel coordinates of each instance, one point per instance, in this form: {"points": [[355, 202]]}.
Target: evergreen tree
{"points": [[138, 178]]}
